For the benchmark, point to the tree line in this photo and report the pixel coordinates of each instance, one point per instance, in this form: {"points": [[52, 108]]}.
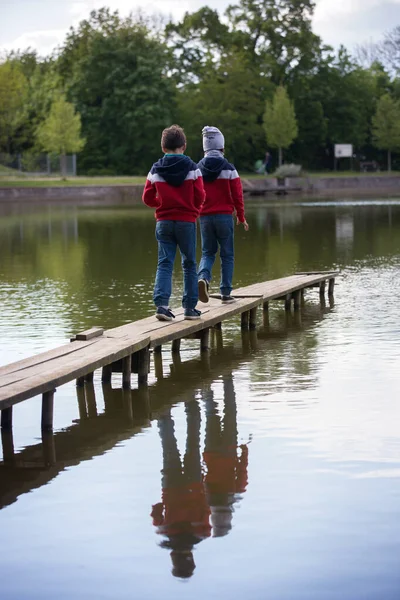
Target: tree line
{"points": [[258, 72]]}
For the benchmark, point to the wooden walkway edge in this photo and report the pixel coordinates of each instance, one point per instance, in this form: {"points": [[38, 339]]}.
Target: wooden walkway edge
{"points": [[126, 348]]}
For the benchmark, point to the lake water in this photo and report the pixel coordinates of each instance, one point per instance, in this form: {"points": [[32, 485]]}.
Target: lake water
{"points": [[283, 448]]}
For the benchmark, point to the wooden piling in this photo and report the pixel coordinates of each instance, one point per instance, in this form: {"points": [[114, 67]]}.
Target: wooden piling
{"points": [[89, 377], [157, 350], [266, 306], [80, 382], [244, 319], [126, 371], [218, 326], [288, 302], [143, 366], [158, 364], [322, 287], [7, 443], [80, 392], [91, 400], [253, 318], [106, 374], [205, 340], [331, 287], [176, 345], [6, 418], [47, 410], [296, 300]]}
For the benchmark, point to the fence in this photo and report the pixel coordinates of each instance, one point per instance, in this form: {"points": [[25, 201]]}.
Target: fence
{"points": [[36, 164]]}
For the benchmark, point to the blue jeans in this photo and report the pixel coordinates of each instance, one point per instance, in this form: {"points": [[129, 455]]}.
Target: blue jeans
{"points": [[217, 230], [171, 235]]}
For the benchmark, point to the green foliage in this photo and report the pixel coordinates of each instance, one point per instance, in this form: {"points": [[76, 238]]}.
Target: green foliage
{"points": [[13, 93], [61, 131], [386, 125], [280, 121], [229, 97]]}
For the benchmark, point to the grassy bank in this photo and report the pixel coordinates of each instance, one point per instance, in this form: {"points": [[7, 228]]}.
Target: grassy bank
{"points": [[8, 178]]}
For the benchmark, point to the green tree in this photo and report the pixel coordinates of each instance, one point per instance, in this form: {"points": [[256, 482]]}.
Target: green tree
{"points": [[13, 93], [386, 126], [61, 131], [280, 121]]}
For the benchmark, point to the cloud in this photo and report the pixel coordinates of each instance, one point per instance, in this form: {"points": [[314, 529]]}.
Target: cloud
{"points": [[356, 21], [44, 41]]}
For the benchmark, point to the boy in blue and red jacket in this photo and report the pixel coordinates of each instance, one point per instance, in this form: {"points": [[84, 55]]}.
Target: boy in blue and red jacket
{"points": [[224, 196], [174, 187]]}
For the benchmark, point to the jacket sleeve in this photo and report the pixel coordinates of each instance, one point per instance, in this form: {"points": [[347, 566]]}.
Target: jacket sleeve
{"points": [[199, 192], [237, 195], [149, 196]]}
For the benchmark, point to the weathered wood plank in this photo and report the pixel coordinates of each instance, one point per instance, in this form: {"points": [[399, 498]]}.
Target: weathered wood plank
{"points": [[89, 334]]}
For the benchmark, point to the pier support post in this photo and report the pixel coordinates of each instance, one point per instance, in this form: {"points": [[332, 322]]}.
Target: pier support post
{"points": [[218, 326], [106, 374], [6, 418], [322, 287], [143, 366], [158, 364], [288, 302], [80, 382], [126, 371], [205, 340], [331, 287], [266, 306], [302, 297], [47, 410], [91, 400], [296, 300], [157, 350], [89, 377], [176, 346], [244, 319], [253, 318], [7, 442], [80, 392]]}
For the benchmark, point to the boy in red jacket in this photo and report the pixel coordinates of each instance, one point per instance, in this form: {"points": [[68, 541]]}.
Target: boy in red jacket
{"points": [[174, 187], [224, 196]]}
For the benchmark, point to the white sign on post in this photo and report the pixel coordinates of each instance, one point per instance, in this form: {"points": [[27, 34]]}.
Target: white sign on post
{"points": [[343, 150]]}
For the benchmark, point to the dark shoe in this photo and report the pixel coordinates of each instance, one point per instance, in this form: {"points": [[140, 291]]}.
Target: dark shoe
{"points": [[191, 314], [203, 290], [164, 314], [227, 299]]}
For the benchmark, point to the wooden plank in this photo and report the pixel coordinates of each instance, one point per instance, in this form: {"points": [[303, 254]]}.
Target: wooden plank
{"points": [[90, 334], [61, 371], [275, 289]]}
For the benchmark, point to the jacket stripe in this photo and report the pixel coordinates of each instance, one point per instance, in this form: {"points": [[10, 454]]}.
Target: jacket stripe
{"points": [[228, 174]]}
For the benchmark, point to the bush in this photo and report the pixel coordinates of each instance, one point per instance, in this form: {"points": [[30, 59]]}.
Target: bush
{"points": [[288, 171]]}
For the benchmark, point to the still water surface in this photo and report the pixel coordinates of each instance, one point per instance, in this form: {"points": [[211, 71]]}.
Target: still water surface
{"points": [[283, 449]]}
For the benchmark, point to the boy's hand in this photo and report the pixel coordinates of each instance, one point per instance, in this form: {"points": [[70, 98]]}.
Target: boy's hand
{"points": [[245, 224]]}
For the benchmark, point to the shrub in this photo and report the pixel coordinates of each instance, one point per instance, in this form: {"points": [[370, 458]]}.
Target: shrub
{"points": [[288, 171]]}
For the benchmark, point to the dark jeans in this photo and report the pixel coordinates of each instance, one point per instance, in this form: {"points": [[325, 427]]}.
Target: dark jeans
{"points": [[171, 235], [217, 230]]}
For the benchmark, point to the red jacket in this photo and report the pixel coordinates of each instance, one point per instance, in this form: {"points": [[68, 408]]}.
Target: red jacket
{"points": [[224, 193], [174, 187]]}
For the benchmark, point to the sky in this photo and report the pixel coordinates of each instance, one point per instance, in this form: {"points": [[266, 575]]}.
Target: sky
{"points": [[42, 24]]}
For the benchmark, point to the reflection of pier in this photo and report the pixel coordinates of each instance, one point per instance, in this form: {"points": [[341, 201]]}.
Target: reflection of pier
{"points": [[127, 412]]}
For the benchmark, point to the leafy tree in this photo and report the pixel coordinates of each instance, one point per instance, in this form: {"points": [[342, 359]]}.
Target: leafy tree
{"points": [[280, 121], [228, 97], [116, 72], [386, 125], [13, 92], [61, 131]]}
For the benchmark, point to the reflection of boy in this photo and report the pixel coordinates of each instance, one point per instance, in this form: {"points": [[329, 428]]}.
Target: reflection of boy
{"points": [[226, 475], [224, 196], [183, 515], [174, 187]]}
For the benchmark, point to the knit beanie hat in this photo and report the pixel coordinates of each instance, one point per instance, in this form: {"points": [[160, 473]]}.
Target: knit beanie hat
{"points": [[212, 139]]}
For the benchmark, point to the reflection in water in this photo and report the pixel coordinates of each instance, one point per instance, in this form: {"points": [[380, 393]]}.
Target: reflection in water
{"points": [[192, 493]]}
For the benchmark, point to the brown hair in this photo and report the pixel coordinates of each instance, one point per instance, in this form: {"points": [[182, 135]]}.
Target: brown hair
{"points": [[173, 137]]}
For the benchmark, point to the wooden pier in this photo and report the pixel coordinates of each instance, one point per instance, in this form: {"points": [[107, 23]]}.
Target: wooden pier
{"points": [[126, 349]]}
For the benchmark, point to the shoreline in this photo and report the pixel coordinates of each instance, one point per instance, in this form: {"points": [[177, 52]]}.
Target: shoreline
{"points": [[131, 194]]}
